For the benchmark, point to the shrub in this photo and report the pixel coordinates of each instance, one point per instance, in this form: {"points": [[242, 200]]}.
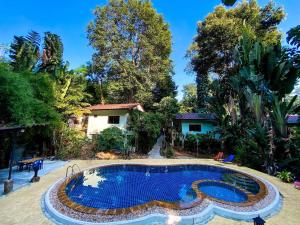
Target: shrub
{"points": [[169, 152], [248, 153], [71, 143], [111, 138], [286, 176], [146, 128], [190, 142], [206, 143]]}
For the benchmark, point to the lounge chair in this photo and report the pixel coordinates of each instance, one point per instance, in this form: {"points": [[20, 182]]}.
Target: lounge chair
{"points": [[219, 156], [229, 159]]}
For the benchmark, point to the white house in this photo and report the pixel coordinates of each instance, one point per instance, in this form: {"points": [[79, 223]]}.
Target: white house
{"points": [[103, 116]]}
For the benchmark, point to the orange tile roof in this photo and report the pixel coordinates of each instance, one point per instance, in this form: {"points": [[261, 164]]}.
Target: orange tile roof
{"points": [[113, 106]]}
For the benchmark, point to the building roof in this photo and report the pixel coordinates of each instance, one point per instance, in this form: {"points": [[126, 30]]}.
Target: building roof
{"points": [[293, 119], [127, 106], [196, 116]]}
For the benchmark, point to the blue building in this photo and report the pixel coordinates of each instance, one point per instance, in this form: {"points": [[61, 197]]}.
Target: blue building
{"points": [[196, 123]]}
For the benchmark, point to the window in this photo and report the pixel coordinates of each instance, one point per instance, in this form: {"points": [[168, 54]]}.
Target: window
{"points": [[195, 127], [113, 119]]}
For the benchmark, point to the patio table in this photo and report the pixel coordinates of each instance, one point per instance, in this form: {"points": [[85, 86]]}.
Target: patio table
{"points": [[27, 162]]}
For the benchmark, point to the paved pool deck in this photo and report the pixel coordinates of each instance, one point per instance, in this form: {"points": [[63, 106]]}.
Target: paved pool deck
{"points": [[23, 206], [23, 178]]}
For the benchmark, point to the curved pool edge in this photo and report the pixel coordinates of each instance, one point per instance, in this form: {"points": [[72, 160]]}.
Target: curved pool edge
{"points": [[201, 218]]}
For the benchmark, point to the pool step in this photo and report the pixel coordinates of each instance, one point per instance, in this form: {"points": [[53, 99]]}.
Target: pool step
{"points": [[241, 181]]}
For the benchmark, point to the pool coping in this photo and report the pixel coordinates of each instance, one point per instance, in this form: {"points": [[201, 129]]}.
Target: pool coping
{"points": [[205, 215]]}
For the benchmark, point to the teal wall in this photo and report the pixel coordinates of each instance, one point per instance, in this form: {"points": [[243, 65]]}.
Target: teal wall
{"points": [[206, 126]]}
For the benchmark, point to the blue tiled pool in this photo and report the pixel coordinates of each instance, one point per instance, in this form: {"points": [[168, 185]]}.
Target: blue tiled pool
{"points": [[223, 192], [124, 186]]}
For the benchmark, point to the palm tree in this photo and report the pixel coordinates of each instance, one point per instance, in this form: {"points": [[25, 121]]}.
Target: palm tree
{"points": [[24, 52]]}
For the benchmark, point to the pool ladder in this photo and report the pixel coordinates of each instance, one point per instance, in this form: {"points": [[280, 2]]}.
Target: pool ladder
{"points": [[72, 169]]}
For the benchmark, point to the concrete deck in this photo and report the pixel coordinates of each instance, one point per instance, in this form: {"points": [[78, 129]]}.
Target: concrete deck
{"points": [[24, 205], [23, 178]]}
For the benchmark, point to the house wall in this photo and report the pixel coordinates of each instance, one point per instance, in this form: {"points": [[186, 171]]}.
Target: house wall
{"points": [[206, 127], [98, 120]]}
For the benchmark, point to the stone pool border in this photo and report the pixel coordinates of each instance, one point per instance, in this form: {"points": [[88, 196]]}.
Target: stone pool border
{"points": [[205, 214]]}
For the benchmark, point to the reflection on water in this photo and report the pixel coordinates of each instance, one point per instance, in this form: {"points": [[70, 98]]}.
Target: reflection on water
{"points": [[186, 194], [92, 178]]}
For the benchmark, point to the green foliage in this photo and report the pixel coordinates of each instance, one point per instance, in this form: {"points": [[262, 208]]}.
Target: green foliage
{"points": [[281, 109], [24, 52], [170, 152], [52, 57], [133, 46], [293, 36], [70, 92], [190, 142], [21, 102], [188, 103], [146, 127], [228, 2], [286, 176], [217, 36], [248, 153], [206, 143], [168, 108], [111, 138], [70, 143]]}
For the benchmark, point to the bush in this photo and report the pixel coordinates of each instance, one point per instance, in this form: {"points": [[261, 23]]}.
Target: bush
{"points": [[206, 143], [286, 176], [248, 153], [71, 143], [190, 142], [111, 138], [146, 128], [169, 152]]}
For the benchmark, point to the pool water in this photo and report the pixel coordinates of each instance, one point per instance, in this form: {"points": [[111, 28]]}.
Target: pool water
{"points": [[123, 186], [223, 192]]}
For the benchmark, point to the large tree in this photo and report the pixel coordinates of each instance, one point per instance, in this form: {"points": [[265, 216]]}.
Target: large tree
{"points": [[217, 36], [133, 46]]}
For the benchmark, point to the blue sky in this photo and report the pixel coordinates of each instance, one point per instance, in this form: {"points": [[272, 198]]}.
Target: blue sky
{"points": [[69, 19]]}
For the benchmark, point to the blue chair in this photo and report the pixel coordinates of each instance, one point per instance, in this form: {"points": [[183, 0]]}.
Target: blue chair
{"points": [[229, 159], [41, 164]]}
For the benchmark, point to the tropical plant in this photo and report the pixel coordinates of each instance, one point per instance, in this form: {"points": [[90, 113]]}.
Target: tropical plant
{"points": [[169, 152], [70, 143], [21, 101], [212, 51], [286, 176], [52, 57], [70, 92], [146, 127], [293, 36], [168, 108], [111, 138], [24, 52]]}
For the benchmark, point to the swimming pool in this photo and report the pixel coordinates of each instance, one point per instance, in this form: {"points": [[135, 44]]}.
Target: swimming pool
{"points": [[124, 189]]}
